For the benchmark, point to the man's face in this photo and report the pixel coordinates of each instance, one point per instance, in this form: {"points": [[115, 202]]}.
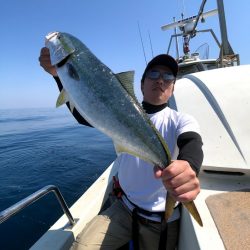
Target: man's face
{"points": [[157, 91]]}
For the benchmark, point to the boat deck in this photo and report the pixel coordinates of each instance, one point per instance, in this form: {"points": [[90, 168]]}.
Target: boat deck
{"points": [[223, 204], [231, 215]]}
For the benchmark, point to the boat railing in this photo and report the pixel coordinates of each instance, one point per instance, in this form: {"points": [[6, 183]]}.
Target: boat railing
{"points": [[17, 207]]}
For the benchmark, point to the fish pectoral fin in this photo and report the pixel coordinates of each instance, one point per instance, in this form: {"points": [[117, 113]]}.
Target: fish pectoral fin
{"points": [[193, 211], [62, 98], [127, 81]]}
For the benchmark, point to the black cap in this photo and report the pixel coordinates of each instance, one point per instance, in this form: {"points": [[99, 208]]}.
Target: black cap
{"points": [[162, 59]]}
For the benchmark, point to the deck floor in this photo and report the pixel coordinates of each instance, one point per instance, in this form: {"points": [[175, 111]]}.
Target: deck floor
{"points": [[231, 213]]}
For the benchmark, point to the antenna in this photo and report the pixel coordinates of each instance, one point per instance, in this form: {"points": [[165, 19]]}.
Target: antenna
{"points": [[151, 44], [142, 43], [176, 41]]}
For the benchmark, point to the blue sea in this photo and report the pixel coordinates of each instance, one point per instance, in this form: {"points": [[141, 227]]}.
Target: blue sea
{"points": [[39, 147]]}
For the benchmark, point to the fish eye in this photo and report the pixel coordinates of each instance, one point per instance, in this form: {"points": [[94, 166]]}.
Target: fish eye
{"points": [[72, 72]]}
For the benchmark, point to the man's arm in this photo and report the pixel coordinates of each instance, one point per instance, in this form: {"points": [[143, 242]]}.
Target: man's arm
{"points": [[190, 149], [75, 113], [45, 62], [180, 177]]}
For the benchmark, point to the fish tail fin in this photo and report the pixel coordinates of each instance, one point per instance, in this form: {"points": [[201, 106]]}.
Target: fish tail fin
{"points": [[169, 207], [193, 211]]}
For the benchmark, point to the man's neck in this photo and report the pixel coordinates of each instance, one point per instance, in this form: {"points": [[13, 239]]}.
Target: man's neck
{"points": [[151, 109]]}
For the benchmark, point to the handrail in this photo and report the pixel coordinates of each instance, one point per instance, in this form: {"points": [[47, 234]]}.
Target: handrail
{"points": [[12, 210]]}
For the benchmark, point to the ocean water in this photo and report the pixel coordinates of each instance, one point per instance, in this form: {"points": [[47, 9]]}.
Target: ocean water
{"points": [[39, 147]]}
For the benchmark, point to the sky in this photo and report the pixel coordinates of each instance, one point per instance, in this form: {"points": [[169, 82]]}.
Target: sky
{"points": [[109, 28]]}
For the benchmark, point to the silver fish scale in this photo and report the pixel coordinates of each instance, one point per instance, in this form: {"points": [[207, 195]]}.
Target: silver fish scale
{"points": [[101, 99]]}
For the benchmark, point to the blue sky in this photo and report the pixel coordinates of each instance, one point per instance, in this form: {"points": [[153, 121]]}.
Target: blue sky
{"points": [[109, 28]]}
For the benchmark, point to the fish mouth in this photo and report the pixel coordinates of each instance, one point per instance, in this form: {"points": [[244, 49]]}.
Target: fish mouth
{"points": [[51, 37], [60, 47]]}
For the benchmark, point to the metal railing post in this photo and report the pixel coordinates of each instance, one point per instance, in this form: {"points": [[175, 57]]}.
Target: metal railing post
{"points": [[9, 212]]}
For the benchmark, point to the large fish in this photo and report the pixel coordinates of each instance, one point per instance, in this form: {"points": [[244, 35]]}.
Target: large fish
{"points": [[107, 101]]}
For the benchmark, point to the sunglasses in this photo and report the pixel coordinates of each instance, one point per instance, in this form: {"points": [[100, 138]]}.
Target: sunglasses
{"points": [[155, 75]]}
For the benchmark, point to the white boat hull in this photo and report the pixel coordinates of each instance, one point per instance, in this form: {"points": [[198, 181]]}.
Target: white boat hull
{"points": [[226, 150]]}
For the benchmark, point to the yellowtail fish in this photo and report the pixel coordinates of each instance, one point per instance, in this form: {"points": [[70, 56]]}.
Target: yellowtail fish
{"points": [[107, 101]]}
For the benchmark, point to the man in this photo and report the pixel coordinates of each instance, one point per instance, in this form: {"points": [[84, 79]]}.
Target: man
{"points": [[138, 213]]}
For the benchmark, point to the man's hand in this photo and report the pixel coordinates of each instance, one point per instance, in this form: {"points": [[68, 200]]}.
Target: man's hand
{"points": [[180, 180], [45, 62]]}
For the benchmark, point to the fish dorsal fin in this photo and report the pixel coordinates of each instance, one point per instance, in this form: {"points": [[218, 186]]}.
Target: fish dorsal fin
{"points": [[63, 98], [127, 81]]}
